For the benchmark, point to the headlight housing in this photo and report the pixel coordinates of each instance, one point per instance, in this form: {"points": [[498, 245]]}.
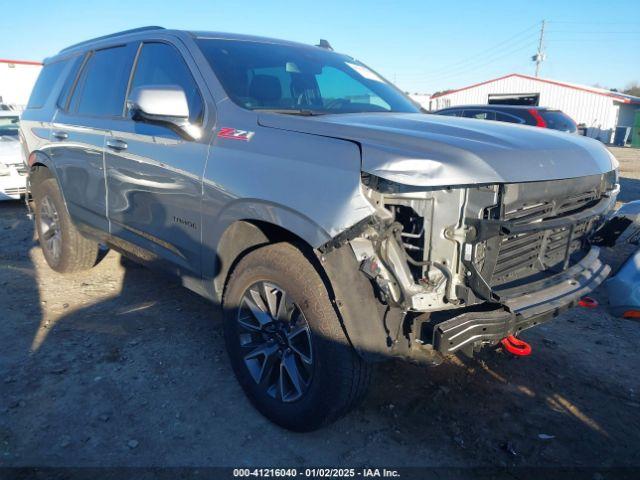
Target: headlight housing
{"points": [[4, 170]]}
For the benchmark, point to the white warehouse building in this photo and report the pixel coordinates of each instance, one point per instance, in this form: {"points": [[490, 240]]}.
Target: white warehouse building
{"points": [[17, 78], [600, 110]]}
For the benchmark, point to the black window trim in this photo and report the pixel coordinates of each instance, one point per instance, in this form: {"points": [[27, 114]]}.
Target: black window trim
{"points": [[72, 89], [134, 68]]}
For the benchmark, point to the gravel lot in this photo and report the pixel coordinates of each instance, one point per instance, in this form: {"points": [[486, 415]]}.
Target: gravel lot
{"points": [[120, 367]]}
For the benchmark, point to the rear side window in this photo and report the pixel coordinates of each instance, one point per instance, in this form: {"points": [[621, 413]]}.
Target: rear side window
{"points": [[558, 120], [102, 85], [47, 78], [506, 117], [162, 64], [451, 113], [479, 114]]}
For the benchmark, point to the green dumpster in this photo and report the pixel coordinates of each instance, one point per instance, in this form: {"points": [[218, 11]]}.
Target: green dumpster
{"points": [[635, 135]]}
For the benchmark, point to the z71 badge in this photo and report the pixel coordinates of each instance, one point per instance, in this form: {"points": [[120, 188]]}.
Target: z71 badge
{"points": [[235, 134]]}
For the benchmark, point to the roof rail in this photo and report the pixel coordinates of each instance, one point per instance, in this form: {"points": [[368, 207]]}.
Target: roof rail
{"points": [[111, 35]]}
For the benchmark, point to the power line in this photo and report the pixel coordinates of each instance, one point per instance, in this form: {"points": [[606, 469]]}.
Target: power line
{"points": [[477, 62], [593, 31], [593, 23], [478, 55]]}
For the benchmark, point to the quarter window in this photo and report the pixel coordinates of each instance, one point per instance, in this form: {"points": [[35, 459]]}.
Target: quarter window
{"points": [[44, 84], [162, 64], [102, 85]]}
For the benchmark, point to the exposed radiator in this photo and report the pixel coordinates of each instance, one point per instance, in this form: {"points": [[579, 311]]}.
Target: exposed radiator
{"points": [[525, 254]]}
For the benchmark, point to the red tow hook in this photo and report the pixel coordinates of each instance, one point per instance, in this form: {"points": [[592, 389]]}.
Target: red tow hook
{"points": [[516, 346], [588, 302]]}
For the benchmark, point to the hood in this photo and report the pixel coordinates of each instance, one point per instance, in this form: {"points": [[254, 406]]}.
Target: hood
{"points": [[10, 150], [433, 150]]}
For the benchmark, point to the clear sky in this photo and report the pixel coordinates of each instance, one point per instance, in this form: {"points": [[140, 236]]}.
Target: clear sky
{"points": [[423, 46]]}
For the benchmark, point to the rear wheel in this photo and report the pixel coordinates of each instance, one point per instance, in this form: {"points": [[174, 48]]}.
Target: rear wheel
{"points": [[285, 342], [64, 248]]}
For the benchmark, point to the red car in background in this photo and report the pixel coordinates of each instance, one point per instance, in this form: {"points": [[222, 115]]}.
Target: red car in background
{"points": [[522, 114]]}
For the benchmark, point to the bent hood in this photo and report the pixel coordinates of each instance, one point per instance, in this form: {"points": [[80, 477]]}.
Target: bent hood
{"points": [[433, 150]]}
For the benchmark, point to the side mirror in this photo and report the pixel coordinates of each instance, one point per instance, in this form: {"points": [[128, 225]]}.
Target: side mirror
{"points": [[162, 104]]}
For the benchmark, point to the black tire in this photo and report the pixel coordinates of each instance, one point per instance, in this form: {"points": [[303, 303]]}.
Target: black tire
{"points": [[339, 377], [73, 252]]}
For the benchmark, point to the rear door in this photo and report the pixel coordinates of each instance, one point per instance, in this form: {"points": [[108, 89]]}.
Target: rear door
{"points": [[88, 106], [154, 175]]}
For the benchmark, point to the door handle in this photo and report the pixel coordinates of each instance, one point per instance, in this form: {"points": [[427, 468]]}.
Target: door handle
{"points": [[116, 144], [60, 135]]}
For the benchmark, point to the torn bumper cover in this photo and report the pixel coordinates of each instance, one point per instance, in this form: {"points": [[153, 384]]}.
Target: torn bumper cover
{"points": [[523, 307]]}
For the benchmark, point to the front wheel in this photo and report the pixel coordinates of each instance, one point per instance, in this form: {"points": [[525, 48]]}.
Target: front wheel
{"points": [[285, 342]]}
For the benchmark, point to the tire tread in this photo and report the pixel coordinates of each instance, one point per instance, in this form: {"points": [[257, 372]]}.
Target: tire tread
{"points": [[78, 253], [351, 373]]}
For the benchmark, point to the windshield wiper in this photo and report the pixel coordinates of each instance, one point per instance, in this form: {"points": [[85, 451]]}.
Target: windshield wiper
{"points": [[301, 111]]}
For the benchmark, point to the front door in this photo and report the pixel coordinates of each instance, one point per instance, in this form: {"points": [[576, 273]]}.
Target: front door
{"points": [[154, 175]]}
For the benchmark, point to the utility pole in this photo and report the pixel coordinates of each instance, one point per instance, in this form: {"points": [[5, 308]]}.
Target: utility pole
{"points": [[540, 56]]}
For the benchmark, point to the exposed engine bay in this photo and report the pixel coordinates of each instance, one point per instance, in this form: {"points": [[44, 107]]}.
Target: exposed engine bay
{"points": [[492, 259]]}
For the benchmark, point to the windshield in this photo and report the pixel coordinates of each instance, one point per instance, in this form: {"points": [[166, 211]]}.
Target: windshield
{"points": [[9, 126], [558, 120], [299, 79]]}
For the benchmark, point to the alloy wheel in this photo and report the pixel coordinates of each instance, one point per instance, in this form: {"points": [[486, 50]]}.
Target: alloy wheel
{"points": [[275, 341], [50, 228]]}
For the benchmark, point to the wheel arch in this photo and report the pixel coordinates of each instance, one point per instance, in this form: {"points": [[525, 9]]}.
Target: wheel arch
{"points": [[245, 235], [41, 166], [352, 295]]}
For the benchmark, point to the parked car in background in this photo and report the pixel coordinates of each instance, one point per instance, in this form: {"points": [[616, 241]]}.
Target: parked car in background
{"points": [[521, 114], [334, 223], [13, 173]]}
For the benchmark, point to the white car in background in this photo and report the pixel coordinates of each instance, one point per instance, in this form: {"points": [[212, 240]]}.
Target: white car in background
{"points": [[13, 178]]}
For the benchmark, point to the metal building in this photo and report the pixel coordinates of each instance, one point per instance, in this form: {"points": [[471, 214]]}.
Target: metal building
{"points": [[600, 110], [17, 78], [421, 99]]}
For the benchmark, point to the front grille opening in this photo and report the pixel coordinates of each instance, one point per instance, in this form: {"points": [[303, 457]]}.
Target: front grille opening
{"points": [[529, 212], [524, 257], [577, 203], [518, 255]]}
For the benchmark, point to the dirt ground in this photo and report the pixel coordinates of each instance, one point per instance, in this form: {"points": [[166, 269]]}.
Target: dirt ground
{"points": [[121, 367]]}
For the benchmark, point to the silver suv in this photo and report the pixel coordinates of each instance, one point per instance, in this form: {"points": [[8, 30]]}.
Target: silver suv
{"points": [[334, 223]]}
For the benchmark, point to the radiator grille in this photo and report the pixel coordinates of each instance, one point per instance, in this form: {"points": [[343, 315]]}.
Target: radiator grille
{"points": [[525, 254], [15, 191]]}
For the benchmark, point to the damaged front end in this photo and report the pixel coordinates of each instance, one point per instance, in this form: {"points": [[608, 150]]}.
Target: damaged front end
{"points": [[458, 268]]}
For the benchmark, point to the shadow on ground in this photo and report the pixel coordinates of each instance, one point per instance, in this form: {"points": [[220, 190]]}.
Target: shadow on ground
{"points": [[121, 367]]}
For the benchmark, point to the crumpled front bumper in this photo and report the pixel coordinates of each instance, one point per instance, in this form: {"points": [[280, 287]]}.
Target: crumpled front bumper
{"points": [[521, 307]]}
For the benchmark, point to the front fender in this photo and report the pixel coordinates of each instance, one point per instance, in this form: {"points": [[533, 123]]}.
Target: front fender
{"points": [[234, 231], [273, 213]]}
